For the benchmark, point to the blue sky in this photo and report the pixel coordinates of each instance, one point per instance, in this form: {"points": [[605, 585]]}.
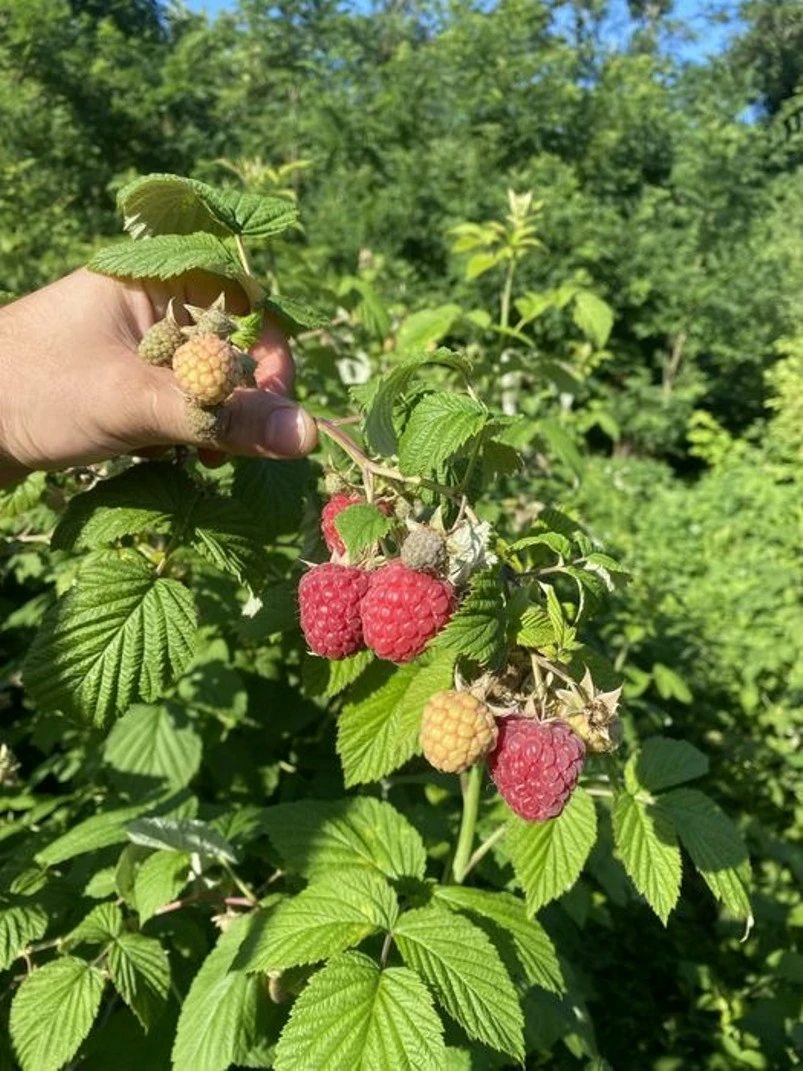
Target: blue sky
{"points": [[710, 37]]}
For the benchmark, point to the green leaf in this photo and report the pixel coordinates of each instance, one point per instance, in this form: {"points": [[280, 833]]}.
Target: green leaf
{"points": [[22, 920], [273, 492], [421, 329], [534, 950], [464, 970], [154, 743], [159, 879], [549, 856], [99, 831], [172, 204], [662, 763], [439, 426], [361, 526], [228, 535], [354, 1015], [293, 315], [168, 256], [477, 630], [181, 835], [332, 914], [22, 497], [648, 848], [222, 1016], [593, 316], [715, 845], [140, 972], [378, 729], [158, 497], [121, 633], [103, 923], [53, 1011], [479, 264], [379, 429], [315, 837], [670, 685], [559, 442], [154, 497]]}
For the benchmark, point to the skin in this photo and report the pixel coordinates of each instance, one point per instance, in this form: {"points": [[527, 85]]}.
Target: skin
{"points": [[74, 391]]}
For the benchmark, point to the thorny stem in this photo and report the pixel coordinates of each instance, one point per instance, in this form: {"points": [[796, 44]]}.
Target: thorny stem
{"points": [[538, 677], [361, 459], [546, 664], [465, 839]]}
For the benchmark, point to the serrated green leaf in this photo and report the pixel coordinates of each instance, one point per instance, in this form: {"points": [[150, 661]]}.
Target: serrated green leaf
{"points": [[103, 923], [154, 497], [154, 743], [22, 920], [439, 426], [354, 1015], [168, 256], [648, 848], [593, 316], [229, 536], [314, 837], [140, 973], [222, 1016], [715, 845], [53, 1011], [549, 856], [99, 831], [173, 204], [332, 914], [121, 633], [22, 497], [535, 629], [159, 879], [361, 526], [662, 763], [379, 430], [422, 328], [378, 729], [181, 835], [534, 949], [464, 970], [477, 630]]}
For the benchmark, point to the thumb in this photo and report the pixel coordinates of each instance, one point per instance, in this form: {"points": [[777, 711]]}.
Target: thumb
{"points": [[253, 422]]}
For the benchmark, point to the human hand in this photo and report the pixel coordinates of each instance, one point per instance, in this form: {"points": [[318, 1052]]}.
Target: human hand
{"points": [[73, 389]]}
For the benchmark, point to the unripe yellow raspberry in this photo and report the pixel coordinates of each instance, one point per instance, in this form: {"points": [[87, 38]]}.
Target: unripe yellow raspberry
{"points": [[207, 369], [457, 730]]}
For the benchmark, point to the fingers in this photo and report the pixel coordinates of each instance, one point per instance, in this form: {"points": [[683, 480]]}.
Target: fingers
{"points": [[275, 370], [253, 422]]}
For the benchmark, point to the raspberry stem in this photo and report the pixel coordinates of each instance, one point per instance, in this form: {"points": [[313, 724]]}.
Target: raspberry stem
{"points": [[472, 785]]}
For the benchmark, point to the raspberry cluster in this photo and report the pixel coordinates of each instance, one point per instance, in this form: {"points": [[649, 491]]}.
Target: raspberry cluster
{"points": [[400, 609]]}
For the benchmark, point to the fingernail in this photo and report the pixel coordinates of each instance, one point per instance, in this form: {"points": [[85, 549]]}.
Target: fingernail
{"points": [[290, 431]]}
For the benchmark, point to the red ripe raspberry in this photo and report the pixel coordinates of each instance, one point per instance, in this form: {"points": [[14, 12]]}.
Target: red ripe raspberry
{"points": [[336, 504], [329, 602], [535, 766], [403, 610]]}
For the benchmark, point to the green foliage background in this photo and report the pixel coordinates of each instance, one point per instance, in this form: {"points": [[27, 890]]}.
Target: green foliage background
{"points": [[670, 191]]}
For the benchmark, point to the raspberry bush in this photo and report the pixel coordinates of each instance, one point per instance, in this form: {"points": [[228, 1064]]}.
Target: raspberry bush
{"points": [[192, 874]]}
